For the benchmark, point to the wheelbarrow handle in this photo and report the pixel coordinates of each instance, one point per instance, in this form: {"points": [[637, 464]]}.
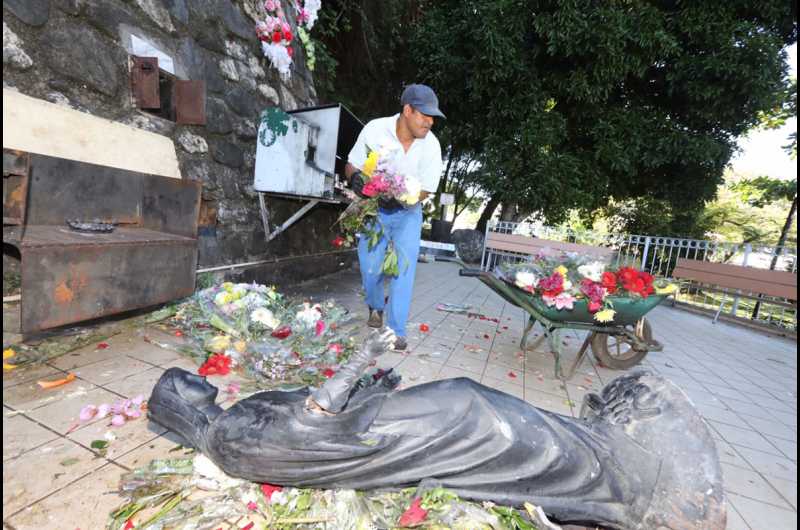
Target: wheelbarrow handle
{"points": [[464, 270], [470, 272]]}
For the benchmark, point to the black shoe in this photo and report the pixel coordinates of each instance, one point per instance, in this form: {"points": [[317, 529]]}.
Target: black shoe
{"points": [[375, 319]]}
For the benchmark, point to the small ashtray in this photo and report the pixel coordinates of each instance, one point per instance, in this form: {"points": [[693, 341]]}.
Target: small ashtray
{"points": [[95, 227]]}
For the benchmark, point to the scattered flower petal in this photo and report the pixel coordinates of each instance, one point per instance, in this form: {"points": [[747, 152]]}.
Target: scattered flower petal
{"points": [[414, 515]]}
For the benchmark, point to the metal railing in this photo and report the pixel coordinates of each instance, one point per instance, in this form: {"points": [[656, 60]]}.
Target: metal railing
{"points": [[658, 255]]}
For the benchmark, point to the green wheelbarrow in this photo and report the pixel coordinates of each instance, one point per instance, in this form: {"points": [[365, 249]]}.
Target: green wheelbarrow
{"points": [[618, 345]]}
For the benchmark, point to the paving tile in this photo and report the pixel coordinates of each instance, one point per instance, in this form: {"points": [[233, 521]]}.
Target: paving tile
{"points": [[735, 521], [150, 353], [504, 373], [768, 464], [504, 386], [141, 383], [21, 434], [720, 415], [744, 437], [789, 449], [772, 428], [763, 516], [730, 454], [85, 503], [158, 447], [86, 356], [559, 404], [787, 488], [61, 415], [32, 373], [750, 484], [110, 370], [56, 464], [30, 396], [465, 362], [121, 439], [450, 372], [545, 385]]}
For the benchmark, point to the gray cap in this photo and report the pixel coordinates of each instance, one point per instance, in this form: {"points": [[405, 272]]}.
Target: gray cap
{"points": [[422, 98]]}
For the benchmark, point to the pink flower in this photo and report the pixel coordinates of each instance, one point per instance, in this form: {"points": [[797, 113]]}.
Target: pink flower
{"points": [[270, 6], [102, 410], [118, 420], [336, 348], [87, 413], [320, 329]]}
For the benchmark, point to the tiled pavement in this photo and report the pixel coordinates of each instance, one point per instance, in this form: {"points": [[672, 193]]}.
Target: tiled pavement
{"points": [[744, 383]]}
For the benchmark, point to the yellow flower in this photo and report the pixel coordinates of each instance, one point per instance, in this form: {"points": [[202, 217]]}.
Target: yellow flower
{"points": [[218, 344], [240, 346], [562, 270], [7, 354], [371, 163], [605, 316], [667, 289], [228, 286]]}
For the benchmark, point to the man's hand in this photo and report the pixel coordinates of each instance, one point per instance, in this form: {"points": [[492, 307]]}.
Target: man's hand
{"points": [[423, 195]]}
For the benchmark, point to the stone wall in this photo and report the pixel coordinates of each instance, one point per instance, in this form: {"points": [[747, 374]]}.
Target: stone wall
{"points": [[76, 53]]}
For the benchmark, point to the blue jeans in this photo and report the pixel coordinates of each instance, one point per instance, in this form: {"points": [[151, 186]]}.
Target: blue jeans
{"points": [[402, 227]]}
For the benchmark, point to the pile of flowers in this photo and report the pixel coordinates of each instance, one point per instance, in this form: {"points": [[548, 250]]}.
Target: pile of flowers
{"points": [[562, 281], [361, 217], [253, 329], [275, 33]]}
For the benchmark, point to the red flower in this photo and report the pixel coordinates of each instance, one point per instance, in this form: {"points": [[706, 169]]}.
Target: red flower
{"points": [[179, 333], [287, 36], [338, 241], [276, 37], [320, 327], [217, 364], [552, 286], [609, 281], [128, 524], [282, 332], [252, 506], [328, 372], [269, 489], [414, 515], [627, 274], [102, 346], [424, 328], [594, 306], [290, 51]]}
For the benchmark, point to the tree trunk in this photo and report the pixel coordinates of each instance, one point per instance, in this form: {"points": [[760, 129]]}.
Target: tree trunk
{"points": [[787, 226], [509, 211], [487, 214]]}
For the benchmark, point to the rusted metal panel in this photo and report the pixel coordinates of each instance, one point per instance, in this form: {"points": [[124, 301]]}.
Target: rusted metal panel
{"points": [[171, 205], [63, 189], [16, 167], [208, 214], [145, 82], [189, 98], [67, 283]]}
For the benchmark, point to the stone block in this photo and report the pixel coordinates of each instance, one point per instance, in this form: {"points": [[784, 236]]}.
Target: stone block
{"points": [[218, 116], [227, 153], [68, 46], [31, 12], [13, 54]]}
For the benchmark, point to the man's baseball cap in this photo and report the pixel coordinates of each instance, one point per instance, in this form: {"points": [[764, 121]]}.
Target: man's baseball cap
{"points": [[422, 98]]}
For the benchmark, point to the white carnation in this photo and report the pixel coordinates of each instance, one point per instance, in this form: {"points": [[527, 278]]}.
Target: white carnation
{"points": [[593, 271], [525, 279]]}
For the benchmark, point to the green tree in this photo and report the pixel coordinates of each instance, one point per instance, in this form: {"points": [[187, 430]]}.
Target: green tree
{"points": [[573, 104]]}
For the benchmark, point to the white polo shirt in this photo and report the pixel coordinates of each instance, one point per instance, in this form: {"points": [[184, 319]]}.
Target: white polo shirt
{"points": [[423, 160]]}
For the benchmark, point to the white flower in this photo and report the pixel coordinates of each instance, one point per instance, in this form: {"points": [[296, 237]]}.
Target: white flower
{"points": [[222, 298], [413, 189], [593, 271], [525, 279], [279, 57], [264, 316], [308, 316]]}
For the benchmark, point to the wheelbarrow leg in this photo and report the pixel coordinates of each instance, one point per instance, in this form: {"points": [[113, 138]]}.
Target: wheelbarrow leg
{"points": [[523, 344], [581, 355]]}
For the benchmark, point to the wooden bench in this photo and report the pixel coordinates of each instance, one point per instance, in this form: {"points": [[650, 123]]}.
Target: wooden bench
{"points": [[514, 246], [740, 281]]}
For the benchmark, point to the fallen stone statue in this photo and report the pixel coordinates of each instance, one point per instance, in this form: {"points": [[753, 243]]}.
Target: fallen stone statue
{"points": [[640, 457]]}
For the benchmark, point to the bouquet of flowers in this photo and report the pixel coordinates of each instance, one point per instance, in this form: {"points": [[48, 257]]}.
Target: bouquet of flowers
{"points": [[561, 281], [361, 217], [252, 328]]}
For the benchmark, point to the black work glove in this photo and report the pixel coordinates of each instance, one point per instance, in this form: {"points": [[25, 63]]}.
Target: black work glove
{"points": [[389, 204], [357, 181]]}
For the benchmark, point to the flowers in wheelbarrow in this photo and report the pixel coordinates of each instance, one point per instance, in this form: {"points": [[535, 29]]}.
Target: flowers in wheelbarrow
{"points": [[526, 280]]}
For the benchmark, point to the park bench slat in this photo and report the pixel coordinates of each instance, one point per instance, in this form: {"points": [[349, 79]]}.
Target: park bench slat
{"points": [[532, 245], [780, 284]]}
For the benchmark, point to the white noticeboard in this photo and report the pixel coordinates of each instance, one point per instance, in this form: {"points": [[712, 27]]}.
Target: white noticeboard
{"points": [[446, 199], [296, 153]]}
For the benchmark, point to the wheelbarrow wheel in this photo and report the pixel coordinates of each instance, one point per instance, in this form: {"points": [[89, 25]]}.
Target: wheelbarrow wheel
{"points": [[618, 351]]}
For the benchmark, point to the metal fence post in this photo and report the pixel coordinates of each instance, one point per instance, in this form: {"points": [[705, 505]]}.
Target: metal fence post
{"points": [[748, 249], [645, 252]]}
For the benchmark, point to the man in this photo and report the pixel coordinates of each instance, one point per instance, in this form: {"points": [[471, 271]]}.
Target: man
{"points": [[416, 152]]}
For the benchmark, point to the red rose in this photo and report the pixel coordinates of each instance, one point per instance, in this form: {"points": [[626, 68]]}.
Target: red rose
{"points": [[627, 274], [276, 37], [609, 282], [594, 306], [217, 364], [282, 332], [287, 36]]}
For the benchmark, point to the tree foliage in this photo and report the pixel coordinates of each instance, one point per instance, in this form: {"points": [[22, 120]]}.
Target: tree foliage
{"points": [[571, 104]]}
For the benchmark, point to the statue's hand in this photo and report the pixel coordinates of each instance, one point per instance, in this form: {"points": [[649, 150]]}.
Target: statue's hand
{"points": [[378, 342]]}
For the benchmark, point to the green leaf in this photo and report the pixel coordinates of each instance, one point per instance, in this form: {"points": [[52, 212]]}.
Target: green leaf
{"points": [[69, 461], [99, 444]]}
